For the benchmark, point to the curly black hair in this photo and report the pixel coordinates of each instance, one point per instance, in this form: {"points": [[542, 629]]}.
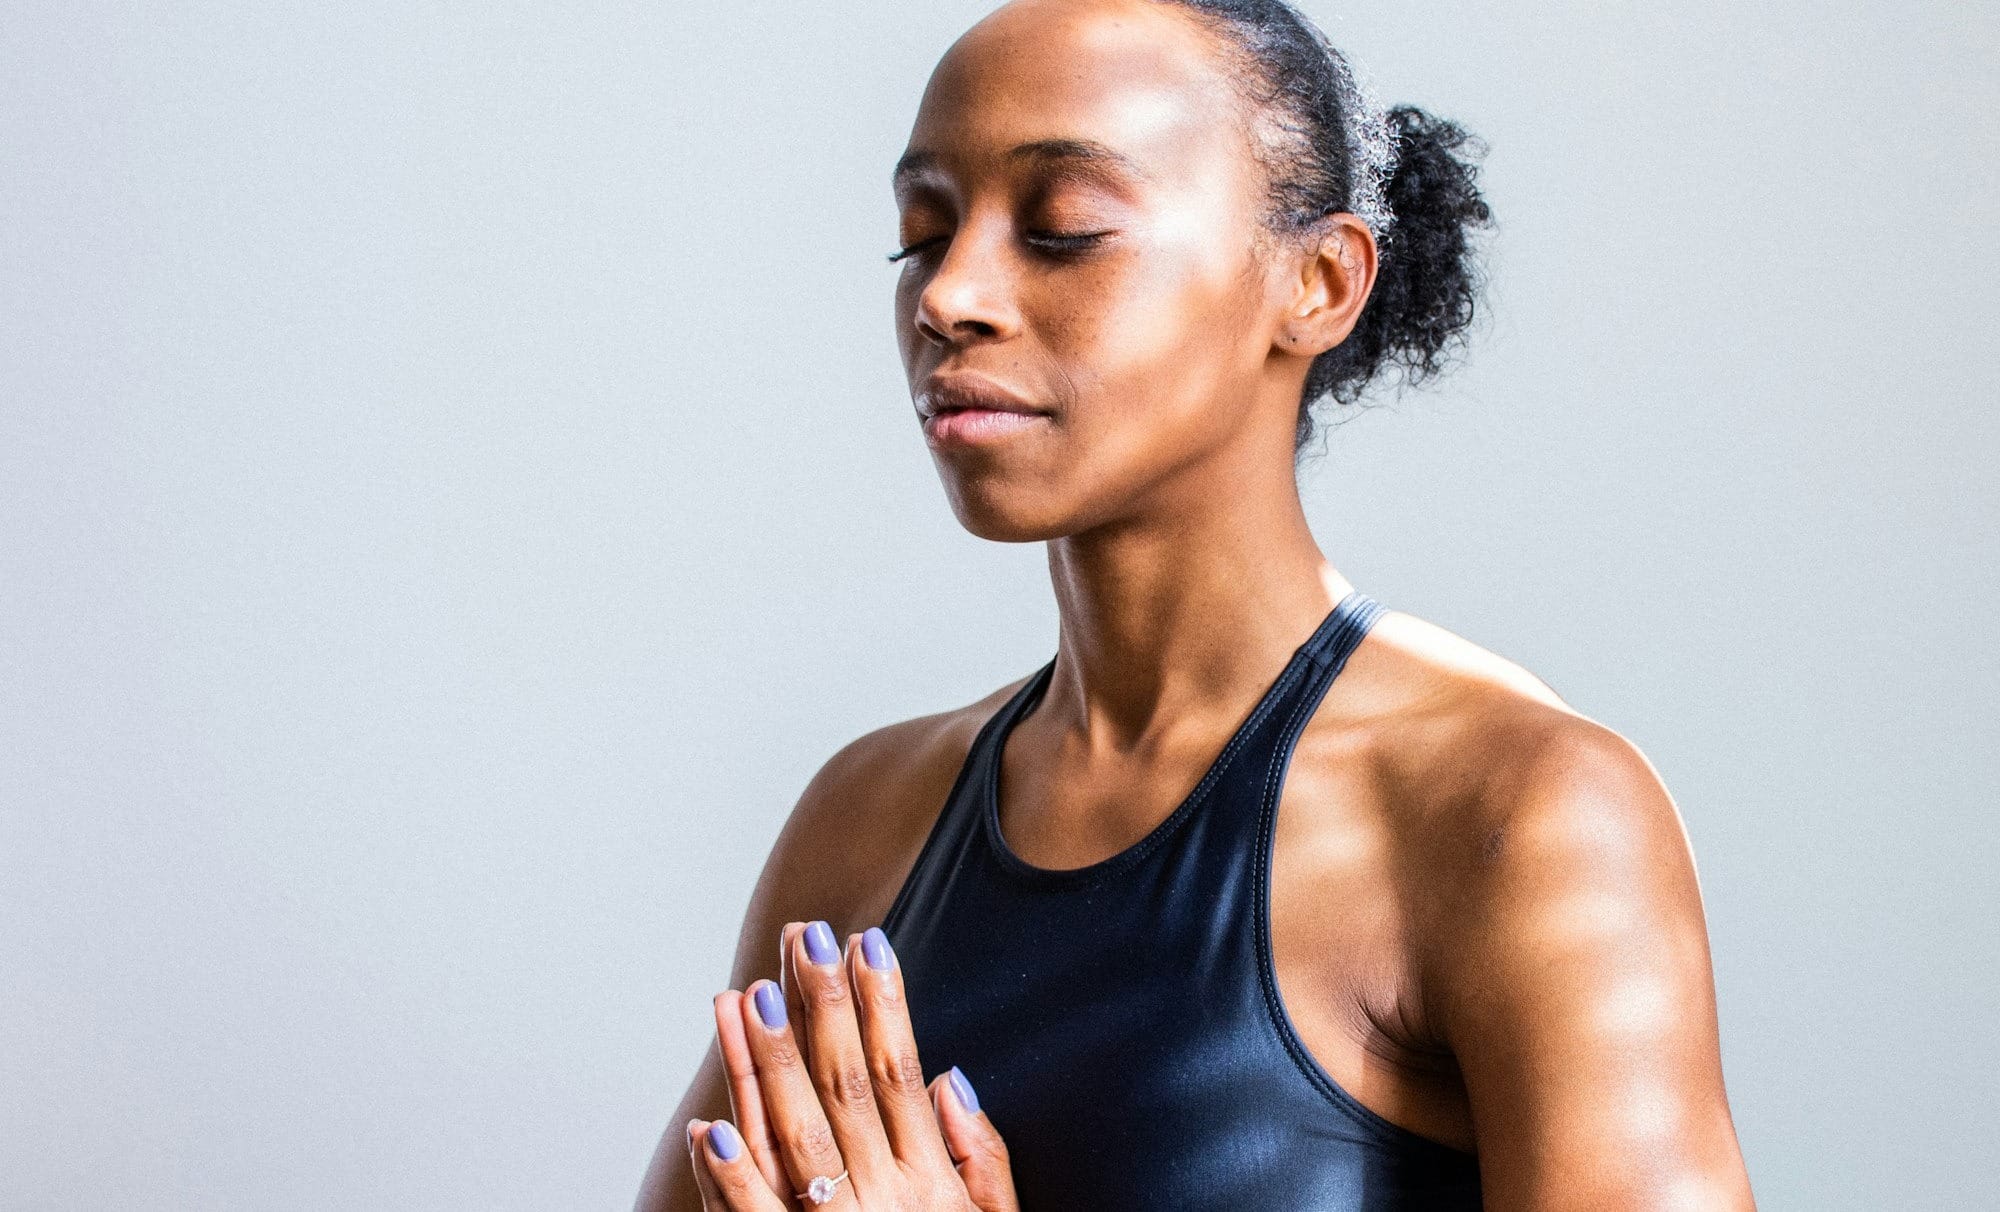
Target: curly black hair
{"points": [[1411, 176]]}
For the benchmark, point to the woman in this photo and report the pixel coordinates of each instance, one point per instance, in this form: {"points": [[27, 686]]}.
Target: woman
{"points": [[1257, 895]]}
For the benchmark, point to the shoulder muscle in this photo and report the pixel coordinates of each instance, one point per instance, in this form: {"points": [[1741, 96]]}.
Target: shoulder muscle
{"points": [[1574, 986], [856, 828]]}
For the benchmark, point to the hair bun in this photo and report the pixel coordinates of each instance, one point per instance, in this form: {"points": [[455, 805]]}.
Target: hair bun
{"points": [[1427, 280]]}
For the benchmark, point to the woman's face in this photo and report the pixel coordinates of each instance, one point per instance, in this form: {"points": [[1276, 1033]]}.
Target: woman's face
{"points": [[1082, 210]]}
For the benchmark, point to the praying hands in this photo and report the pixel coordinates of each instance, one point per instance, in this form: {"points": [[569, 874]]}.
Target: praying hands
{"points": [[840, 1116]]}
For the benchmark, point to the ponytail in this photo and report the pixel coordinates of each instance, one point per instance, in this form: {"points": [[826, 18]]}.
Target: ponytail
{"points": [[1427, 277]]}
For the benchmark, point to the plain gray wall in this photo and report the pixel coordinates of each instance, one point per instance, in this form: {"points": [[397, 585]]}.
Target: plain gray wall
{"points": [[457, 484]]}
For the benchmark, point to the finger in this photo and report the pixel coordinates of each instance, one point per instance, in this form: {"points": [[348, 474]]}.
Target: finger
{"points": [[976, 1147], [807, 1144], [795, 1006], [891, 1047], [724, 1172], [834, 1056], [746, 1098], [711, 1195]]}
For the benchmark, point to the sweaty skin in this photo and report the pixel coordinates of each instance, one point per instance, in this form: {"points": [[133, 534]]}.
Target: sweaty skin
{"points": [[1484, 911]]}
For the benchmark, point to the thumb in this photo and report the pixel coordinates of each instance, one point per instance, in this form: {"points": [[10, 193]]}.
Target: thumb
{"points": [[976, 1148]]}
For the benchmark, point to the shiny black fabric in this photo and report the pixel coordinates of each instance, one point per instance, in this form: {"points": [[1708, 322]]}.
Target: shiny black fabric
{"points": [[1120, 1022]]}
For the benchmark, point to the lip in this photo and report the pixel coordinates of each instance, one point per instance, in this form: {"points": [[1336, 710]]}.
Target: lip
{"points": [[943, 393], [969, 409]]}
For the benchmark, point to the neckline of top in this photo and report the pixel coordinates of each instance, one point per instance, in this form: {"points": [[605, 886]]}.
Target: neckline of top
{"points": [[1306, 654]]}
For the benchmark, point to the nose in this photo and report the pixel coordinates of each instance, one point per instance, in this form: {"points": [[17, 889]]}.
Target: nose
{"points": [[970, 295]]}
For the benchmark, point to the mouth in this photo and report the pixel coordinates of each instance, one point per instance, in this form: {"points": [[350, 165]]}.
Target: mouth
{"points": [[966, 409]]}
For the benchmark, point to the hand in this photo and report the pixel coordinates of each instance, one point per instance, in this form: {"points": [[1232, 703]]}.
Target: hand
{"points": [[849, 1096]]}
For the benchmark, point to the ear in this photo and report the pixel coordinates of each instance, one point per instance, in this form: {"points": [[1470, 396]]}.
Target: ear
{"points": [[1335, 273]]}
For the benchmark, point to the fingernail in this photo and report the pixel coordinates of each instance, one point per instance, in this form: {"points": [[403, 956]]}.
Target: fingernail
{"points": [[820, 947], [770, 1005], [875, 949], [722, 1137], [963, 1089]]}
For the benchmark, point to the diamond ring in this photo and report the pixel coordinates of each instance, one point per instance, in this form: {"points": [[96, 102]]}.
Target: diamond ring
{"points": [[820, 1189]]}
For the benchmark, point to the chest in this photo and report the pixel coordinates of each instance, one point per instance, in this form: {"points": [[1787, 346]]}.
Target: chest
{"points": [[1134, 1057], [1136, 1020], [1338, 892]]}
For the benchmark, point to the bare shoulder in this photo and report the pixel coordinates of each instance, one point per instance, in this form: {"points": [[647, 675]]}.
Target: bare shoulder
{"points": [[1489, 768], [843, 852], [857, 826], [1516, 822], [1556, 931]]}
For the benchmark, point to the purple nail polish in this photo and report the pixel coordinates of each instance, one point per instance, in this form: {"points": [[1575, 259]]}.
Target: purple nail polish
{"points": [[963, 1089], [875, 949], [770, 1002], [820, 947], [722, 1136]]}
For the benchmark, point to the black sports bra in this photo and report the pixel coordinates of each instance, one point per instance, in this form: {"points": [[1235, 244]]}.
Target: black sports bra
{"points": [[1121, 1022]]}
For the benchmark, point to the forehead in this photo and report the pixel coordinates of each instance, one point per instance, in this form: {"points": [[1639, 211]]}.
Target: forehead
{"points": [[1139, 80]]}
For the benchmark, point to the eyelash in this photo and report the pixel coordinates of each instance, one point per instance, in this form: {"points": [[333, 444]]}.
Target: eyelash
{"points": [[1054, 243]]}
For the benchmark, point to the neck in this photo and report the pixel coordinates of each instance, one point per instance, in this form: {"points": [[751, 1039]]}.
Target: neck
{"points": [[1196, 601]]}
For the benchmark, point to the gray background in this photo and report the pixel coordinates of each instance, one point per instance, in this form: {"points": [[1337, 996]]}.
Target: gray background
{"points": [[456, 485]]}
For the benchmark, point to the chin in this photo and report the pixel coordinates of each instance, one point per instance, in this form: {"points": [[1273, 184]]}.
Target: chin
{"points": [[991, 507]]}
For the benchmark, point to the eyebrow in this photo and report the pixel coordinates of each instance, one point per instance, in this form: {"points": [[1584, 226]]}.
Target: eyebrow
{"points": [[1054, 153]]}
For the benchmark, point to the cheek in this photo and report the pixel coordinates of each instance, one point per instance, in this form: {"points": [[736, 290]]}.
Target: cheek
{"points": [[1159, 332]]}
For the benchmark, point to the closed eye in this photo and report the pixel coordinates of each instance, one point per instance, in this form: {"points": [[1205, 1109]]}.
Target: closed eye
{"points": [[912, 250], [1066, 242], [1056, 242]]}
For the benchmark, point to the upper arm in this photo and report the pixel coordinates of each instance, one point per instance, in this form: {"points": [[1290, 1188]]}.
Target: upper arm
{"points": [[1578, 996]]}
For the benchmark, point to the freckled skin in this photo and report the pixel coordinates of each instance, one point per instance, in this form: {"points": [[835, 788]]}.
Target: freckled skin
{"points": [[1485, 917]]}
